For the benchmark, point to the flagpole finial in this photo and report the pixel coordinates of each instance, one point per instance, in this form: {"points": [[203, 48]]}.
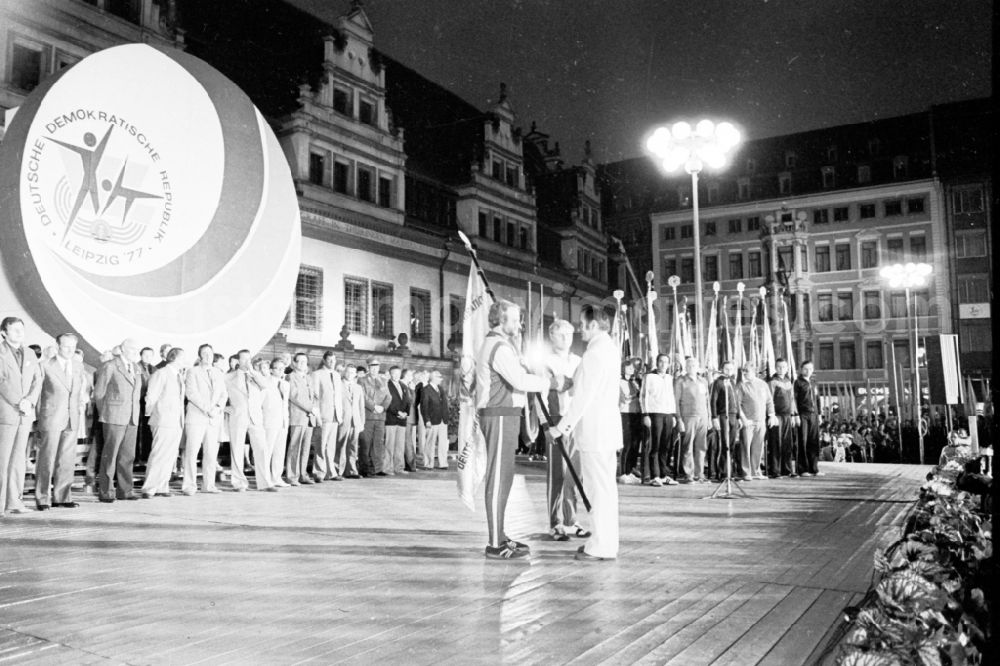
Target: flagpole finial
{"points": [[740, 287], [618, 294], [716, 287], [673, 281], [763, 292]]}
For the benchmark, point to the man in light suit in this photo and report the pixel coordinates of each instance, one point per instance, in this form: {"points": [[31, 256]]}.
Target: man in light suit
{"points": [[116, 392], [205, 388], [275, 415], [165, 408], [329, 390], [246, 415], [303, 415], [593, 416], [20, 387], [346, 455], [58, 424]]}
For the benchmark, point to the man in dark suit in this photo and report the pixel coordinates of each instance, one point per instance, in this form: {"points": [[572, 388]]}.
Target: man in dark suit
{"points": [[116, 391], [144, 436], [58, 424], [395, 423], [434, 411], [20, 386]]}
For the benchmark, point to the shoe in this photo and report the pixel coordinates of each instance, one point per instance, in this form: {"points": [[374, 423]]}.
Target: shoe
{"points": [[820, 474], [211, 491], [793, 475], [584, 556], [667, 481], [66, 505], [166, 494], [337, 478], [130, 498], [806, 474], [107, 500], [306, 481], [42, 507], [188, 493], [381, 474], [280, 484], [656, 482], [352, 476], [148, 495], [444, 467], [628, 480], [686, 480], [579, 532], [295, 483], [743, 478], [271, 489], [505, 552], [558, 533]]}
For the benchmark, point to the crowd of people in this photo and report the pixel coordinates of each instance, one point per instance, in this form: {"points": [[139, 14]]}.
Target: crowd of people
{"points": [[303, 425]]}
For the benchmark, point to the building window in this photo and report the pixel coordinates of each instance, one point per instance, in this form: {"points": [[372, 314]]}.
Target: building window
{"points": [[864, 174], [511, 234], [743, 188], [869, 254], [841, 214], [847, 360], [669, 267], [785, 261], [686, 231], [341, 177], [356, 305], [831, 154], [735, 266], [873, 305], [25, 66], [899, 166], [317, 167], [420, 315], [975, 337], [687, 269], [866, 211], [667, 233], [791, 159], [385, 192], [366, 183], [711, 267], [915, 205], [843, 251], [713, 193], [893, 250], [498, 169], [921, 303], [512, 175], [874, 147], [736, 226], [897, 304], [803, 259], [901, 352], [918, 248], [753, 223], [968, 200], [826, 356], [523, 238], [753, 259], [821, 216], [497, 230], [973, 289], [309, 299], [366, 112], [822, 258], [829, 177], [893, 208], [873, 355], [600, 270], [824, 307], [710, 229], [970, 244], [845, 306], [785, 183], [382, 306], [484, 224], [342, 102]]}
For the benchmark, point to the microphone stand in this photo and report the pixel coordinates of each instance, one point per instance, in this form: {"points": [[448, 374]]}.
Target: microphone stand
{"points": [[728, 484]]}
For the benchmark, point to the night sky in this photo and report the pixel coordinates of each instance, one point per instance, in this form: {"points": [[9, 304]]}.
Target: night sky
{"points": [[609, 70]]}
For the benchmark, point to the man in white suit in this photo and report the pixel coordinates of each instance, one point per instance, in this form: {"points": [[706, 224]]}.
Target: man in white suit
{"points": [[116, 391], [329, 390], [59, 416], [593, 416], [275, 415], [165, 409], [346, 455], [246, 415], [20, 386], [205, 388]]}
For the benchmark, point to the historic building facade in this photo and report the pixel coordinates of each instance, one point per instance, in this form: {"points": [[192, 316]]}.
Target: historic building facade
{"points": [[814, 217]]}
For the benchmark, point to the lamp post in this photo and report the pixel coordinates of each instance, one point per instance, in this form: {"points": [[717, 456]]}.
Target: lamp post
{"points": [[707, 144], [908, 276]]}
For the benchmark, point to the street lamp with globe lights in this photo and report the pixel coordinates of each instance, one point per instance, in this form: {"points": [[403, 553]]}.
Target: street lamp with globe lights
{"points": [[706, 145], [908, 276]]}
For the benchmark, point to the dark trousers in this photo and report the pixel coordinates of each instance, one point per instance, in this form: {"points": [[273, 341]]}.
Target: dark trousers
{"points": [[654, 459], [729, 446], [116, 461], [371, 447], [631, 438], [501, 433], [780, 447], [143, 438], [808, 444]]}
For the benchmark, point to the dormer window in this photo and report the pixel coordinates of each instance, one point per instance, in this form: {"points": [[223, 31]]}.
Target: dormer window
{"points": [[829, 177], [791, 159], [900, 166], [831, 154], [498, 169], [366, 112], [342, 101], [512, 175]]}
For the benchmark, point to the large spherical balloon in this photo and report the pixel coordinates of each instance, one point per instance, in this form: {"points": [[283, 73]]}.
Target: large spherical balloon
{"points": [[143, 195]]}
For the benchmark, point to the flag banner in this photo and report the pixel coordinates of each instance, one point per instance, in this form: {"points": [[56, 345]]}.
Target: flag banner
{"points": [[972, 413], [688, 347], [471, 443], [712, 338], [654, 341], [726, 344], [753, 354], [943, 377], [789, 346], [767, 347], [739, 354]]}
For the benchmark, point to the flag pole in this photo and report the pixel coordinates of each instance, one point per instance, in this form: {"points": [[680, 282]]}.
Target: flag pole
{"points": [[541, 403]]}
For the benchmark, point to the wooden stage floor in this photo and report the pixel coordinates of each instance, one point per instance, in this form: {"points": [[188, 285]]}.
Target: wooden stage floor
{"points": [[392, 571]]}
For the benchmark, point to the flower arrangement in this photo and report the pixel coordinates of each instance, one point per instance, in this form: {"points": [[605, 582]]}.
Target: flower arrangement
{"points": [[929, 606]]}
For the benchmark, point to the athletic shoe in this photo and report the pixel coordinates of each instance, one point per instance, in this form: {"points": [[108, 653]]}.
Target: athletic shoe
{"points": [[579, 532], [518, 545], [505, 552], [667, 481], [558, 533], [656, 482], [628, 480], [819, 474]]}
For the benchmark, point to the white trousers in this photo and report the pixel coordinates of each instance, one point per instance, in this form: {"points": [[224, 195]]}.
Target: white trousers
{"points": [[277, 440], [435, 442], [196, 435], [597, 472], [324, 466], [162, 458], [238, 430]]}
